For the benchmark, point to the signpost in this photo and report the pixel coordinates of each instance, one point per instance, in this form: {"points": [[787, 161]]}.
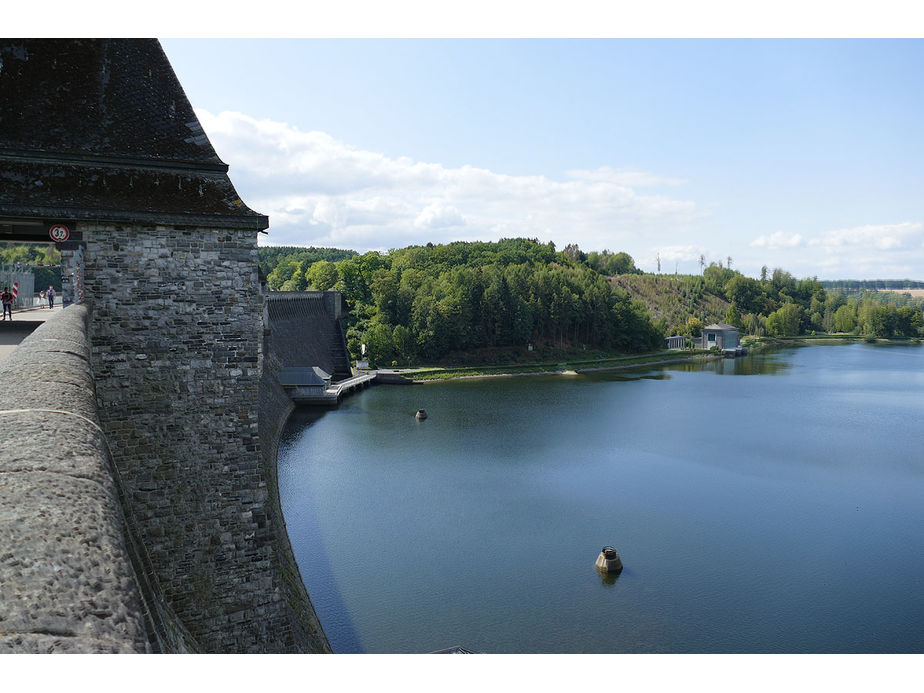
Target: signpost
{"points": [[59, 233]]}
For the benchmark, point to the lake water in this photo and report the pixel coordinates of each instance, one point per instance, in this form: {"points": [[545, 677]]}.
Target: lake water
{"points": [[773, 503]]}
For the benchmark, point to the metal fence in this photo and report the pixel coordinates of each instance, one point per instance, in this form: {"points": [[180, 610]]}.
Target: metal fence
{"points": [[10, 275]]}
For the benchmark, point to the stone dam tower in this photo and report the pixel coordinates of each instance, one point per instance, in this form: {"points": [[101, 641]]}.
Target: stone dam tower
{"points": [[98, 137]]}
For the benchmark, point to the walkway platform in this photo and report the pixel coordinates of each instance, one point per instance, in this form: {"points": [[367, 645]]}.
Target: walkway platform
{"points": [[24, 321], [331, 395]]}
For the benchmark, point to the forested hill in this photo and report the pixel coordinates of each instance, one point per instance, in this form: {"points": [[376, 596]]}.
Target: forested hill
{"points": [[283, 264], [421, 303], [424, 304]]}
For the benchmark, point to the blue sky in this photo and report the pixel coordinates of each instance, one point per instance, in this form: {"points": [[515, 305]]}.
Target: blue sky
{"points": [[801, 154]]}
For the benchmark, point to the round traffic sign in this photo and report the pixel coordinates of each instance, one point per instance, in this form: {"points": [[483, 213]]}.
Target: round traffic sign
{"points": [[59, 233]]}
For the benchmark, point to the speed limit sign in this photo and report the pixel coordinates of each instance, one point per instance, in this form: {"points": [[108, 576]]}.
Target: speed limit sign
{"points": [[59, 233]]}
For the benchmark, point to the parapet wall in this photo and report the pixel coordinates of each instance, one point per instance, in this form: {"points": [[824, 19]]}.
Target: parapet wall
{"points": [[65, 567], [138, 502]]}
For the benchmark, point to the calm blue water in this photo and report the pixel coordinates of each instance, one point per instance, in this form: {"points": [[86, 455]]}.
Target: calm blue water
{"points": [[777, 511]]}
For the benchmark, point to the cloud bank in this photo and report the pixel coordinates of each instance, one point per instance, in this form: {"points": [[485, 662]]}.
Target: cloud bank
{"points": [[317, 190], [872, 251], [320, 191]]}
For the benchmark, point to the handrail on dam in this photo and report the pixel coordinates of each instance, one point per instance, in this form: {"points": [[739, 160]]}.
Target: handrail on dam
{"points": [[68, 565]]}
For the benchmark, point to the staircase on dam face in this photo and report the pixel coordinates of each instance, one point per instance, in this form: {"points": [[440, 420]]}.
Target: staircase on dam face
{"points": [[305, 331]]}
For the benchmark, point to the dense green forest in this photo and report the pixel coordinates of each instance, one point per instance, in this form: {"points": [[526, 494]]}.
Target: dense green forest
{"points": [[30, 256], [421, 304], [890, 297], [285, 266], [778, 304], [854, 285]]}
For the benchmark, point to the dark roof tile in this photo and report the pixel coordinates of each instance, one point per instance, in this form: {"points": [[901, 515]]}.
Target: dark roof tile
{"points": [[102, 128]]}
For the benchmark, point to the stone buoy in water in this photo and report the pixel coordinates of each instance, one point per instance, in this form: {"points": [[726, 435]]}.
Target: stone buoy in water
{"points": [[608, 561], [421, 414]]}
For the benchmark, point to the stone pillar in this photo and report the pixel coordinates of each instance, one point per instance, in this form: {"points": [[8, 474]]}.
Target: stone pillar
{"points": [[176, 331], [71, 272]]}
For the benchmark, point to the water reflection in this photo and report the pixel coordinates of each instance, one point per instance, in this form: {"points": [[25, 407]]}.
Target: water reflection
{"points": [[703, 481], [300, 419], [621, 377], [766, 362], [304, 535]]}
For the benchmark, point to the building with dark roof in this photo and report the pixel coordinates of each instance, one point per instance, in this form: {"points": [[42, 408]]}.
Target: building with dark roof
{"points": [[101, 130], [101, 152]]}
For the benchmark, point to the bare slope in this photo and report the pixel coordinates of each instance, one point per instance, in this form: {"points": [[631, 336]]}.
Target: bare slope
{"points": [[673, 298]]}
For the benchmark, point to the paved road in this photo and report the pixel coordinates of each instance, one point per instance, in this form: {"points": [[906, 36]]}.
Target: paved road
{"points": [[21, 326]]}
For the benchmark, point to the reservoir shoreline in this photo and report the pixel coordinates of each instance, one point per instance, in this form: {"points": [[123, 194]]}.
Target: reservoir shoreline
{"points": [[574, 367]]}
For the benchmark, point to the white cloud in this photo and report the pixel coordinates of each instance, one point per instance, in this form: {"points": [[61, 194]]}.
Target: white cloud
{"points": [[778, 240], [873, 251], [680, 253], [317, 190], [438, 216], [902, 236], [631, 179]]}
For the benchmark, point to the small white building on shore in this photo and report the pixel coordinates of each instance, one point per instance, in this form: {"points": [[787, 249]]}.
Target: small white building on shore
{"points": [[721, 334]]}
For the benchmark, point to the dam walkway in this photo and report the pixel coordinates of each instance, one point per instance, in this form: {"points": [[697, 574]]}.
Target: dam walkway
{"points": [[347, 386], [304, 387], [333, 393]]}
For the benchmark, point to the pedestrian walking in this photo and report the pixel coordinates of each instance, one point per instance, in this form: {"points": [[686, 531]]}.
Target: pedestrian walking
{"points": [[42, 299], [7, 299], [51, 296]]}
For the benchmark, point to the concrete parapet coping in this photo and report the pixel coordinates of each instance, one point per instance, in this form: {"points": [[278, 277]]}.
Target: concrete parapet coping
{"points": [[67, 576]]}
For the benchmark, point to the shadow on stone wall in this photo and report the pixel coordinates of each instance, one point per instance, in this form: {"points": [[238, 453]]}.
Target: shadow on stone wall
{"points": [[75, 578], [275, 408]]}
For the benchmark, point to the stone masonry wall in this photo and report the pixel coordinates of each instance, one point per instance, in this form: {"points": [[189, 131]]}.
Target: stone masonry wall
{"points": [[176, 330], [66, 577], [275, 407]]}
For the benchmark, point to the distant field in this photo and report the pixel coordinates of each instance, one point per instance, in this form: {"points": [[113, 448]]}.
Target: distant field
{"points": [[915, 293]]}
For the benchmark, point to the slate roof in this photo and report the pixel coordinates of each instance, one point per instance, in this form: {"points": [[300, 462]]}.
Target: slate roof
{"points": [[720, 326], [100, 129]]}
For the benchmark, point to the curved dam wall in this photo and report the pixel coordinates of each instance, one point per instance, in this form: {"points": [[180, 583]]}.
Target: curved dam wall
{"points": [[73, 578], [176, 346], [75, 572], [306, 331]]}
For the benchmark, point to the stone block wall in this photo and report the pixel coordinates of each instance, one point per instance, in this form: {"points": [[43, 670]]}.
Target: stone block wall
{"points": [[275, 407], [176, 331], [67, 582]]}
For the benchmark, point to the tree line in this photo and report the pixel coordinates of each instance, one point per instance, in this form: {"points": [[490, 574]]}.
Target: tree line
{"points": [[853, 285], [28, 256], [779, 305], [420, 303]]}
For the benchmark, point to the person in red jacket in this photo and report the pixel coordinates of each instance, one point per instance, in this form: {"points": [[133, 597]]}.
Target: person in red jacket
{"points": [[7, 298]]}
